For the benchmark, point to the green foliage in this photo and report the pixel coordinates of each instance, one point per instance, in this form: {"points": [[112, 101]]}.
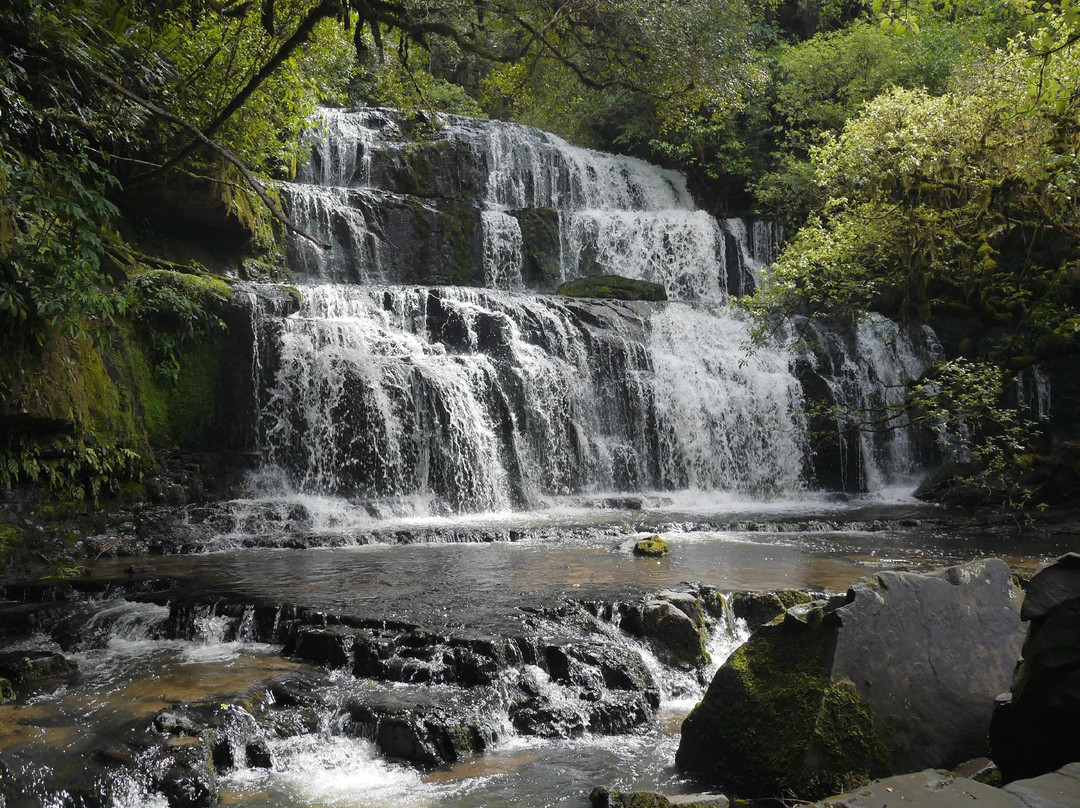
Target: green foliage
{"points": [[172, 310], [69, 469], [967, 398], [945, 200], [51, 275]]}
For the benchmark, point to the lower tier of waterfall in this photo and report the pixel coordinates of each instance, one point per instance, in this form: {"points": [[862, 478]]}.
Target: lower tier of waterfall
{"points": [[480, 400]]}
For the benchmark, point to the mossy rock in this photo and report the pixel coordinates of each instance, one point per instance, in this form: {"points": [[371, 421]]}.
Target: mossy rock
{"points": [[773, 722], [652, 547], [759, 608], [29, 666], [7, 691], [613, 287]]}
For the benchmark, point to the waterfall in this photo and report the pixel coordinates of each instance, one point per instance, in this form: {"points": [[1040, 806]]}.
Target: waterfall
{"points": [[868, 370], [424, 371], [483, 400]]}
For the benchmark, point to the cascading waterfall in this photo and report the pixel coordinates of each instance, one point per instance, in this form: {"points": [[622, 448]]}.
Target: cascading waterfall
{"points": [[484, 400], [868, 371], [371, 188], [450, 398]]}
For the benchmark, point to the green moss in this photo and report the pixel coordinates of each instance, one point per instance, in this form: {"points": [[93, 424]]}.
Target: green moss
{"points": [[652, 547], [773, 721], [12, 540], [191, 411], [7, 691], [613, 287], [294, 293]]}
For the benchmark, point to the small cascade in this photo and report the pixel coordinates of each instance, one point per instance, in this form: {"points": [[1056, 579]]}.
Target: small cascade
{"points": [[868, 370]]}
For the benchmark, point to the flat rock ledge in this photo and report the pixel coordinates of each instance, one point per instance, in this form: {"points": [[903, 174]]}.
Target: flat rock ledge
{"points": [[936, 789], [613, 287]]}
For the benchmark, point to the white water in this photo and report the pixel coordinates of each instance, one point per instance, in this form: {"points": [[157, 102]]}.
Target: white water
{"points": [[483, 401], [616, 214]]}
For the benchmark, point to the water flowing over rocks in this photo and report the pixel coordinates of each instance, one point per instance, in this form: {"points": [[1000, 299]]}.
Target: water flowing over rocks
{"points": [[1035, 725], [898, 674], [450, 399]]}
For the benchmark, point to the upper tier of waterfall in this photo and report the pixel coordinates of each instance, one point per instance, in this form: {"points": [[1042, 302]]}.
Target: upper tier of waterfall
{"points": [[487, 203]]}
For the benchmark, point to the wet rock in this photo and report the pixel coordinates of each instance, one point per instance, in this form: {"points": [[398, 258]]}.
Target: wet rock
{"points": [[189, 780], [680, 635], [652, 547], [540, 247], [901, 676], [1035, 726], [1060, 789], [29, 666], [759, 608], [430, 730], [325, 645], [610, 798], [7, 692], [613, 287]]}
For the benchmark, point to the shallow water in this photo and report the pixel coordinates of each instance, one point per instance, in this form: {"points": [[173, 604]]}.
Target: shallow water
{"points": [[130, 673]]}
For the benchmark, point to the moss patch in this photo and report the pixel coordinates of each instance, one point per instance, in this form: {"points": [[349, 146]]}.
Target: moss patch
{"points": [[613, 287], [652, 547], [773, 722]]}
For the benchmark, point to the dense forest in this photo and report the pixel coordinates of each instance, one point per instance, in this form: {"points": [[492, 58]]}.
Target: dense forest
{"points": [[921, 155]]}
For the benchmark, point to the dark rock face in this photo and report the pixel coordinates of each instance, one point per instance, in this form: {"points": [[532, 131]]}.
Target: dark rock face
{"points": [[1036, 728], [540, 247], [899, 675], [613, 287]]}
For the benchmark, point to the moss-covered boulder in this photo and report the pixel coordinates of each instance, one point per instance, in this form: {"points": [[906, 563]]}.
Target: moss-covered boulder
{"points": [[613, 287], [652, 547], [676, 622], [898, 675], [29, 666], [7, 692]]}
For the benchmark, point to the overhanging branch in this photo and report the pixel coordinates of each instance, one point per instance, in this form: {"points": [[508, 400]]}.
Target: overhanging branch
{"points": [[257, 186]]}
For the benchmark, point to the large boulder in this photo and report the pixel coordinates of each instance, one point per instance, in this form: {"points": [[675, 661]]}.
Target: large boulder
{"points": [[899, 674], [1036, 727]]}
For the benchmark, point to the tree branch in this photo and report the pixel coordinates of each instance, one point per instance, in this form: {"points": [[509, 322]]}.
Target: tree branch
{"points": [[220, 150]]}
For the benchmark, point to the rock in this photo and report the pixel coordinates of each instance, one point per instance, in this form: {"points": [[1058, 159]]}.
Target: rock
{"points": [[1035, 727], [613, 287], [681, 633], [29, 666], [609, 798], [7, 692], [898, 676], [759, 608], [652, 547], [1060, 789], [928, 789], [936, 789]]}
